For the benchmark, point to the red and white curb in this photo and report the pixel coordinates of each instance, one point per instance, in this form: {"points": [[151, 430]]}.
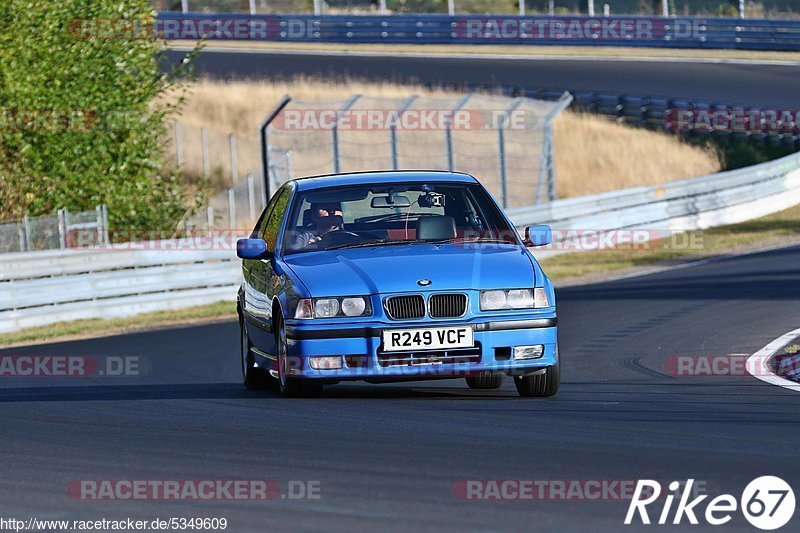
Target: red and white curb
{"points": [[758, 367]]}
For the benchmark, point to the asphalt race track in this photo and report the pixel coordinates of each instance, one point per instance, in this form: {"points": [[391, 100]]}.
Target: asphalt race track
{"points": [[748, 84], [387, 457]]}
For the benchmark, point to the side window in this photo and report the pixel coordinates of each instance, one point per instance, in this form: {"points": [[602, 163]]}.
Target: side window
{"points": [[275, 219], [258, 231]]}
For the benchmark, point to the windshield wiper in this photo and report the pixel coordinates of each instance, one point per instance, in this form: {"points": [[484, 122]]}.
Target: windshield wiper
{"points": [[471, 239], [365, 244]]}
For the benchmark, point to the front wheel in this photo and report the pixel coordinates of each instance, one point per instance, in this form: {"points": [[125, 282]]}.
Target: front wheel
{"points": [[540, 385], [289, 386]]}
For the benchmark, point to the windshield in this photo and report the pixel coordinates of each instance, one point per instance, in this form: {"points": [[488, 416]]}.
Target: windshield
{"points": [[386, 215]]}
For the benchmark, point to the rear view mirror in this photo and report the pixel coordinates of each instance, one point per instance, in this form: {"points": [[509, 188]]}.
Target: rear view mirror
{"points": [[538, 235], [252, 249], [382, 202]]}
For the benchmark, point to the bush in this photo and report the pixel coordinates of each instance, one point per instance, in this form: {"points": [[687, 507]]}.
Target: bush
{"points": [[79, 124]]}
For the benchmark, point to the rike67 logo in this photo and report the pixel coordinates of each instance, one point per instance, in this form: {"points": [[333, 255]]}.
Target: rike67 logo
{"points": [[767, 503]]}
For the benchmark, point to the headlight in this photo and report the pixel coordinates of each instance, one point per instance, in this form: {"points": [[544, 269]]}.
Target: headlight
{"points": [[350, 306], [514, 299]]}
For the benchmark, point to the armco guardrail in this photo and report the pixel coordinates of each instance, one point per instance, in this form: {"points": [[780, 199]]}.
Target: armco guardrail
{"points": [[38, 288], [635, 31], [692, 204]]}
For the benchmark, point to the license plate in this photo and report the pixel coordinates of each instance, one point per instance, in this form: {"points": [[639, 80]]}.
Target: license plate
{"points": [[397, 340]]}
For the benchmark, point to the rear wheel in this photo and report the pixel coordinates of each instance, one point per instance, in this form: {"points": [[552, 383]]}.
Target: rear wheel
{"points": [[540, 385], [289, 386], [252, 376], [485, 381]]}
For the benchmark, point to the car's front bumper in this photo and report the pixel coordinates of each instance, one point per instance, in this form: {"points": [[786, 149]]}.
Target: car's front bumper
{"points": [[360, 347]]}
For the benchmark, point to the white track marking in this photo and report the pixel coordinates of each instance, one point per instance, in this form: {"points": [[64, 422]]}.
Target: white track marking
{"points": [[516, 57], [757, 363]]}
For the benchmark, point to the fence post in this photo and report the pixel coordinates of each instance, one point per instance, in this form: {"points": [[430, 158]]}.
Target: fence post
{"points": [[665, 7], [742, 9], [251, 196], [551, 7], [335, 132], [382, 7], [26, 224], [210, 218], [231, 208], [521, 8], [234, 159], [204, 149], [252, 7], [185, 6], [62, 228], [317, 7], [393, 131], [451, 7], [448, 131], [106, 237], [179, 143], [21, 235], [501, 149], [98, 215]]}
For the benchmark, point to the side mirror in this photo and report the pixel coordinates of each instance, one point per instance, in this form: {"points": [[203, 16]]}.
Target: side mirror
{"points": [[538, 235], [252, 249]]}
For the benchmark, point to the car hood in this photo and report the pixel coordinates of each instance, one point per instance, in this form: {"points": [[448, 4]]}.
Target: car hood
{"points": [[386, 269]]}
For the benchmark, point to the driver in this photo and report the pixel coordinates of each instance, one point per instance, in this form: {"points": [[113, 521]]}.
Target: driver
{"points": [[327, 217]]}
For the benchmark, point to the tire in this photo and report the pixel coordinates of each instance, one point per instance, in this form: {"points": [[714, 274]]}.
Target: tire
{"points": [[253, 378], [288, 386], [541, 385], [485, 381]]}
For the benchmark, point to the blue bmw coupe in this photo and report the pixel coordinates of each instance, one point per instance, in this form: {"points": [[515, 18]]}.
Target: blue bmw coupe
{"points": [[394, 276]]}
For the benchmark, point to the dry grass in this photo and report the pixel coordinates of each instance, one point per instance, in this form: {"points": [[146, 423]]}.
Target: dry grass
{"points": [[593, 154]]}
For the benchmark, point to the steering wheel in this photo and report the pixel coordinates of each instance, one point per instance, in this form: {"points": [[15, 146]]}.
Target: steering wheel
{"points": [[339, 237]]}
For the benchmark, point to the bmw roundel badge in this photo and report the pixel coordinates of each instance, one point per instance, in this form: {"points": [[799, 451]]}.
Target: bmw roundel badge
{"points": [[424, 282]]}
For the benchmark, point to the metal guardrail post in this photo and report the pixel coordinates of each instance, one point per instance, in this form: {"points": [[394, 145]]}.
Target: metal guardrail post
{"points": [[317, 7], [335, 132], [185, 6], [665, 8], [521, 4], [448, 131], [252, 7], [21, 236], [451, 7], [393, 131], [210, 217]]}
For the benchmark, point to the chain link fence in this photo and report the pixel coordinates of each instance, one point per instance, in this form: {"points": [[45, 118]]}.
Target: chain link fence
{"points": [[507, 143], [63, 230]]}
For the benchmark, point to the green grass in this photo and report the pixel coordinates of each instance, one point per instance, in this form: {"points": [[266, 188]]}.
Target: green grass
{"points": [[771, 229], [100, 327]]}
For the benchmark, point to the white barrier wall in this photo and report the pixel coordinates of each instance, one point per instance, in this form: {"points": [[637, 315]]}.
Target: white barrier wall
{"points": [[38, 288]]}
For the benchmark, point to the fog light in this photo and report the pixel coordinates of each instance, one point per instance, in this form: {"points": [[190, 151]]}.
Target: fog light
{"points": [[528, 352], [325, 362]]}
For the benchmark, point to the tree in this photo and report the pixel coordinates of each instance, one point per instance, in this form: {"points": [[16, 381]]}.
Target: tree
{"points": [[79, 125]]}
